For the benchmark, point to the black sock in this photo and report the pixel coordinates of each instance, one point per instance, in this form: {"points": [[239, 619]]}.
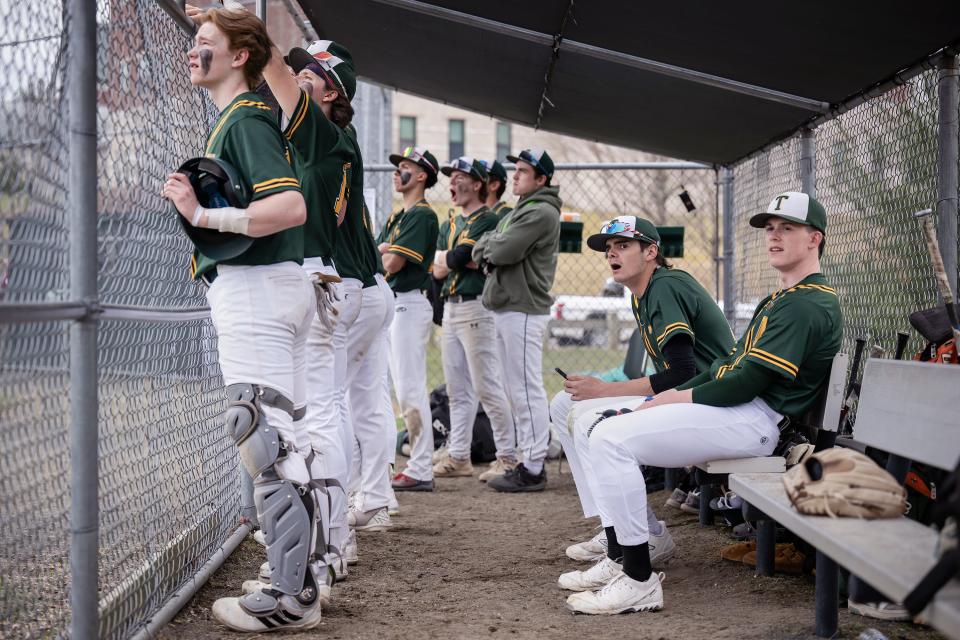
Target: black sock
{"points": [[636, 561], [613, 547]]}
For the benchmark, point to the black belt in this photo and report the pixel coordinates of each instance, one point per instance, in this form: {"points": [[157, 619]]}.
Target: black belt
{"points": [[370, 282], [461, 298], [327, 262]]}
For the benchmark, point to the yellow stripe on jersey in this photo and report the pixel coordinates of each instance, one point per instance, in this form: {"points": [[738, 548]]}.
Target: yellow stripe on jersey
{"points": [[467, 241], [298, 116], [786, 365], [761, 329], [408, 252], [223, 120], [649, 347], [193, 266], [818, 287], [275, 183], [340, 206], [671, 328]]}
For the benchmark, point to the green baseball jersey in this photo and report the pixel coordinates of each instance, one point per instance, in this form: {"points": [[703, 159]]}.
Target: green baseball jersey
{"points": [[412, 234], [501, 209], [355, 254], [459, 230], [246, 136], [795, 333], [674, 303], [326, 158]]}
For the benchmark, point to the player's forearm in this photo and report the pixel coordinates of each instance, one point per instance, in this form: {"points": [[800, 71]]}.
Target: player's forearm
{"points": [[283, 85], [393, 263], [275, 213], [738, 386], [638, 387]]}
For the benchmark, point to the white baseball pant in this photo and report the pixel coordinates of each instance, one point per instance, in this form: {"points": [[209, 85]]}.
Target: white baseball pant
{"points": [[471, 367], [262, 316], [364, 364], [520, 339], [668, 436], [409, 337]]}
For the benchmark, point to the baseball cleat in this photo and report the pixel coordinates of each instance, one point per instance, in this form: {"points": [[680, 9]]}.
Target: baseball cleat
{"points": [[661, 547], [372, 520], [403, 482], [250, 586], [450, 467], [590, 551], [268, 610], [519, 480], [593, 578], [350, 553], [497, 468], [260, 537], [393, 506], [623, 594]]}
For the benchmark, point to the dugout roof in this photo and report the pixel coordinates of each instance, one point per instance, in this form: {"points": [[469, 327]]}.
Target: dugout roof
{"points": [[697, 80]]}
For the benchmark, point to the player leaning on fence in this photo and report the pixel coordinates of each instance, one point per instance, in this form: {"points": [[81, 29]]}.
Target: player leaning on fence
{"points": [[733, 410], [520, 255], [683, 331], [260, 343]]}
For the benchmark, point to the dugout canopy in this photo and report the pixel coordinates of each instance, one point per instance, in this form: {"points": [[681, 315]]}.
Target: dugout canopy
{"points": [[696, 80]]}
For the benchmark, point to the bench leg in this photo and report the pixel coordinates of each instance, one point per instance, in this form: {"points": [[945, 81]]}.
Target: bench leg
{"points": [[670, 479], [766, 547], [828, 586], [706, 513]]}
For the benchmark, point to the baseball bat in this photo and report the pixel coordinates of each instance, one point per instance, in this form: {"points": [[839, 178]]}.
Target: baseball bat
{"points": [[876, 351], [902, 338], [858, 348], [943, 283]]}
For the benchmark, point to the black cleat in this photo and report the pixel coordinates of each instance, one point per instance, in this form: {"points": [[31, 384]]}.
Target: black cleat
{"points": [[519, 479]]}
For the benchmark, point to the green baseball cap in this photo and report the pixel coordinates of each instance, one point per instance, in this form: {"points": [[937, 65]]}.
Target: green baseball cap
{"points": [[332, 58], [420, 157], [496, 170], [633, 227], [539, 158], [795, 207], [474, 168]]}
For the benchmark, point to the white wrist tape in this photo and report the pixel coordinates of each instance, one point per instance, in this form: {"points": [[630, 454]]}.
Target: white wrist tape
{"points": [[228, 219], [197, 214]]}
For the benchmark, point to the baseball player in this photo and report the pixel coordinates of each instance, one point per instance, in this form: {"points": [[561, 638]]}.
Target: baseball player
{"points": [[683, 331], [261, 304], [496, 187], [407, 243], [520, 256], [733, 410], [471, 363]]}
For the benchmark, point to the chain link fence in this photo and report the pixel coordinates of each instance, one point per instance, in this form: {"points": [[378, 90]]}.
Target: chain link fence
{"points": [[591, 320]]}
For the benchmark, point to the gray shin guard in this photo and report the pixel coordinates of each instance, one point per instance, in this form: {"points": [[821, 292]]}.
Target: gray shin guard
{"points": [[337, 538], [285, 509]]}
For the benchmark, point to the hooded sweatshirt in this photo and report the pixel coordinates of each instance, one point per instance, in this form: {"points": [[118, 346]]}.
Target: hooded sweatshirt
{"points": [[523, 248]]}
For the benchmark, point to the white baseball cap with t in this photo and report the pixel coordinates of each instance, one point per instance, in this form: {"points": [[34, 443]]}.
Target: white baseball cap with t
{"points": [[796, 207]]}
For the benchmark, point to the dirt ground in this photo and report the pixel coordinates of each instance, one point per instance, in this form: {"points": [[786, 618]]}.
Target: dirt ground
{"points": [[466, 562]]}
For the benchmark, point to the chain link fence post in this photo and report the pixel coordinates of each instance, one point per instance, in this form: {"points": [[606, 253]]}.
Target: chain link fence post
{"points": [[947, 159], [729, 295], [81, 105], [808, 162]]}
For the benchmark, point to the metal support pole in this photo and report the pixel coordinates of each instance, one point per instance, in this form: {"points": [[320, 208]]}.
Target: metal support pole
{"points": [[808, 162], [766, 547], [947, 159], [81, 84], [825, 599], [262, 10], [729, 299]]}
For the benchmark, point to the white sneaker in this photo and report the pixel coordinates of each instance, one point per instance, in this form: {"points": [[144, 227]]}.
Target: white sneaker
{"points": [[439, 454], [275, 613], [879, 610], [621, 595], [661, 547], [260, 537], [350, 552], [591, 550], [264, 573], [593, 578], [373, 520], [393, 506], [323, 591]]}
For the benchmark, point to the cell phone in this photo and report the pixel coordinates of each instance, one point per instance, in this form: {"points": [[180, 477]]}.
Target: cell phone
{"points": [[560, 371]]}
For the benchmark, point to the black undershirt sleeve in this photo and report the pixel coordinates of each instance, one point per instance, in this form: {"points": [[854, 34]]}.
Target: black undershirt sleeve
{"points": [[678, 353], [460, 256]]}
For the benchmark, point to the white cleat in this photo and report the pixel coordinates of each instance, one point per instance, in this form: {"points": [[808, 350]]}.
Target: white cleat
{"points": [[350, 552], [261, 612], [393, 507], [373, 520], [623, 594], [661, 548], [591, 550], [260, 537], [593, 578], [323, 591]]}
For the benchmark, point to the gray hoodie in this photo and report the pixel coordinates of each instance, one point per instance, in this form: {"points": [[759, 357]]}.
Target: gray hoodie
{"points": [[523, 248]]}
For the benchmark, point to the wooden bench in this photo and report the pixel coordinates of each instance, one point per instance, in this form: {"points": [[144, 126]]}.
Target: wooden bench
{"points": [[906, 409], [824, 416]]}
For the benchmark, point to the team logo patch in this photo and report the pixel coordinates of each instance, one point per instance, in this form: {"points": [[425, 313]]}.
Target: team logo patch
{"points": [[764, 440], [399, 309]]}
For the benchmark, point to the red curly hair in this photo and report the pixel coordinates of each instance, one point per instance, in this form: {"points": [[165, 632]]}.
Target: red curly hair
{"points": [[244, 31]]}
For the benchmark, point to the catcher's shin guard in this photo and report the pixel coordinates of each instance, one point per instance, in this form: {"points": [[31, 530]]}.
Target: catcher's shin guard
{"points": [[285, 508], [328, 495]]}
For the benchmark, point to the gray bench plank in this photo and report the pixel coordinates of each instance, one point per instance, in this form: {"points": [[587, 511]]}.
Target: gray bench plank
{"points": [[891, 555], [771, 464]]}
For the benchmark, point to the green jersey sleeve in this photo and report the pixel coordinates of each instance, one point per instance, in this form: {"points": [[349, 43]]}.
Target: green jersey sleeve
{"points": [[782, 339], [485, 222], [415, 235], [261, 156], [309, 129], [669, 315]]}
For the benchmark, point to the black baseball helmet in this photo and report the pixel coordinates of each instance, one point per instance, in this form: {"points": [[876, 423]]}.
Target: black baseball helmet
{"points": [[216, 184]]}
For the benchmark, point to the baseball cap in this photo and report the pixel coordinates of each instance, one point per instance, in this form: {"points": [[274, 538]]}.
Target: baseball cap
{"points": [[422, 158], [468, 165], [633, 227], [795, 207], [539, 158], [332, 58], [495, 169]]}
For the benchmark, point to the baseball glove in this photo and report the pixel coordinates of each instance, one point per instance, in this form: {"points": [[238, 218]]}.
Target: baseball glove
{"points": [[842, 482]]}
